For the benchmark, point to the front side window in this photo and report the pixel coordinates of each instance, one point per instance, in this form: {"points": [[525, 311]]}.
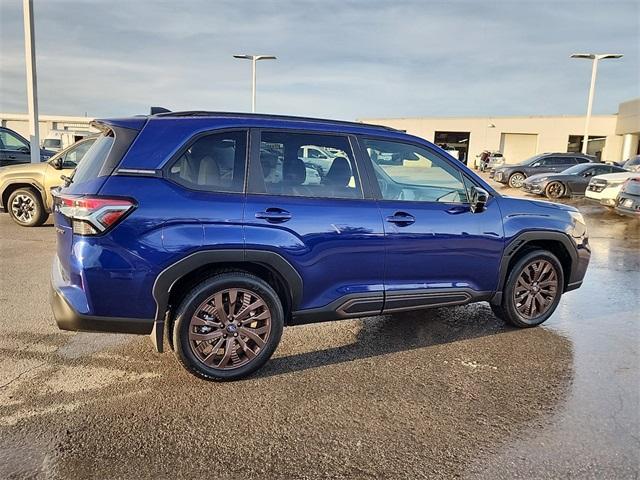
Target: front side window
{"points": [[8, 141], [408, 172], [288, 171], [214, 162], [75, 154]]}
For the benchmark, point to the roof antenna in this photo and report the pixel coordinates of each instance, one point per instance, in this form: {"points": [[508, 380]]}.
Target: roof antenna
{"points": [[156, 110]]}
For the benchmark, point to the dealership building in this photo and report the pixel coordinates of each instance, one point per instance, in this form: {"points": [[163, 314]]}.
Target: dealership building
{"points": [[611, 137]]}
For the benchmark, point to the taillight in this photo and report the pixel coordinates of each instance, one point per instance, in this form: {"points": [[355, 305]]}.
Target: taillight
{"points": [[92, 215]]}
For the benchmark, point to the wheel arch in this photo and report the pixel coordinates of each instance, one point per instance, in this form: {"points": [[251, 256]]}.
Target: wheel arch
{"points": [[557, 243], [14, 184], [175, 280]]}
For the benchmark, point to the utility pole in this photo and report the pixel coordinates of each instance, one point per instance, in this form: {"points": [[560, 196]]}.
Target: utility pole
{"points": [[32, 79]]}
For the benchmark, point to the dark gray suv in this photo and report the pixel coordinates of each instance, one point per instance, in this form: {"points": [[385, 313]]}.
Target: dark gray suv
{"points": [[515, 175]]}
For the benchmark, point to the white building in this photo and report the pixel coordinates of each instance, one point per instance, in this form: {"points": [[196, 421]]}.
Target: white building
{"points": [[71, 129], [611, 137]]}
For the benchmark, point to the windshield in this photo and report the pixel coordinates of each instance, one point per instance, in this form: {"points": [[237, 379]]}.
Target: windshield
{"points": [[632, 164], [52, 143], [94, 159], [576, 169]]}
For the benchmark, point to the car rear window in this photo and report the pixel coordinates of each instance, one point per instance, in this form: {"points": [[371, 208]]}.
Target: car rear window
{"points": [[95, 158], [105, 154]]}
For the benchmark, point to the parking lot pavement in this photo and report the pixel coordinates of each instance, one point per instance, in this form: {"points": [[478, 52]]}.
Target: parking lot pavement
{"points": [[430, 394]]}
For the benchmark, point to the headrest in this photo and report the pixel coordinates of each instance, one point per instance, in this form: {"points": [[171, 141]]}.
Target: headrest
{"points": [[340, 172]]}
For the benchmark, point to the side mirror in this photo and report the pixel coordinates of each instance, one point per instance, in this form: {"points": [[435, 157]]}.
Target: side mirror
{"points": [[587, 174], [479, 199], [57, 163], [24, 149]]}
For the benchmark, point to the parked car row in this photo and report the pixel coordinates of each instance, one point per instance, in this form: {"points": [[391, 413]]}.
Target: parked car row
{"points": [[557, 175]]}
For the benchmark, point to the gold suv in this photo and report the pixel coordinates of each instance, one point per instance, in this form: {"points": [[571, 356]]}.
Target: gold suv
{"points": [[25, 189]]}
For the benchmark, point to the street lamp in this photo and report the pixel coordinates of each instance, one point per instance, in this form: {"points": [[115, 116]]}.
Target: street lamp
{"points": [[254, 59], [595, 57]]}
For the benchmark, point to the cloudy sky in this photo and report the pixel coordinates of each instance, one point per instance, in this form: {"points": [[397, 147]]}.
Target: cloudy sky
{"points": [[341, 59]]}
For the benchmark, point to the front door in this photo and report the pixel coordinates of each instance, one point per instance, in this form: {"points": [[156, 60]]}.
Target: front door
{"points": [[437, 251], [13, 148], [320, 221]]}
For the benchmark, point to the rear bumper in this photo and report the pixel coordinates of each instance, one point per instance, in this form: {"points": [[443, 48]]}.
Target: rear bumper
{"points": [[628, 205], [68, 316]]}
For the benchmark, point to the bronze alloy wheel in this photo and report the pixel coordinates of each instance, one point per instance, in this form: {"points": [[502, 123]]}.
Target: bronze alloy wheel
{"points": [[555, 190], [536, 289], [230, 328]]}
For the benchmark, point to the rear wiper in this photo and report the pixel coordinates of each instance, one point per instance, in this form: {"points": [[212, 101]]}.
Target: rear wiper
{"points": [[67, 180]]}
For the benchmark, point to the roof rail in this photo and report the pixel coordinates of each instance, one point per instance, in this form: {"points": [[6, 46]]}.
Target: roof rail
{"points": [[204, 113]]}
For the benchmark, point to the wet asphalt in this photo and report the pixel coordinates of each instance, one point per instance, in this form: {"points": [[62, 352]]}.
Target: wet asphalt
{"points": [[440, 393]]}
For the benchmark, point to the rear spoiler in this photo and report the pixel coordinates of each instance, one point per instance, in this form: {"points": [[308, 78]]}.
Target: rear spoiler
{"points": [[156, 110]]}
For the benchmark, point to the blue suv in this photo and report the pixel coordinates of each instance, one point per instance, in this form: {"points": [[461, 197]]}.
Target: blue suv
{"points": [[216, 230]]}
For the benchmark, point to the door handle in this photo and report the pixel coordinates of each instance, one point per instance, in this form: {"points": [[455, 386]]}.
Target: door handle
{"points": [[274, 215], [457, 209], [402, 219], [11, 157]]}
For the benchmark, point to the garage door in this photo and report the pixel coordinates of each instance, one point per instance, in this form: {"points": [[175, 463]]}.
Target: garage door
{"points": [[518, 146]]}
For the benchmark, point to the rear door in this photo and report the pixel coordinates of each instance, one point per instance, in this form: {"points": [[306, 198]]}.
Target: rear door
{"points": [[562, 163], [437, 250], [328, 228]]}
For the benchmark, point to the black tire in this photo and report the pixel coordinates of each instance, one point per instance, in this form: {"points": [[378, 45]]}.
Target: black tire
{"points": [[185, 348], [25, 208], [516, 179], [510, 310], [555, 190]]}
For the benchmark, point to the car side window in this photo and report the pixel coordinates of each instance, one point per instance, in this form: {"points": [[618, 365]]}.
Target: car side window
{"points": [[411, 173], [214, 162], [287, 172], [11, 142], [73, 156]]}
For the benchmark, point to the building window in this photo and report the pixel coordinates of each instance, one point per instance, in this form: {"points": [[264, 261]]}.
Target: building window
{"points": [[594, 147], [455, 143]]}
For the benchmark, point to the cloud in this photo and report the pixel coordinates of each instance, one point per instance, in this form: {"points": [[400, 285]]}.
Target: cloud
{"points": [[340, 59]]}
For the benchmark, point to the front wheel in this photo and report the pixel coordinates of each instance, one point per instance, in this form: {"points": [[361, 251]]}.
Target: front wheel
{"points": [[516, 180], [26, 208], [532, 290], [228, 326], [554, 190]]}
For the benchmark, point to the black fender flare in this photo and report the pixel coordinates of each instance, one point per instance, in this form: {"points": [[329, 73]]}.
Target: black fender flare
{"points": [[520, 241], [174, 272], [27, 181]]}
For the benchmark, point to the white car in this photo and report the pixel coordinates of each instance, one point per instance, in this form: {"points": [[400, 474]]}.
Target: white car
{"points": [[605, 188]]}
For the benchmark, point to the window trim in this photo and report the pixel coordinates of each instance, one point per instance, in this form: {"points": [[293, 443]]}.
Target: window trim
{"points": [[166, 168], [255, 182], [373, 180]]}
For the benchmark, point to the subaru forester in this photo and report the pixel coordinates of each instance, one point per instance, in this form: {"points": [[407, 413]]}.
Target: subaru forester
{"points": [[205, 231]]}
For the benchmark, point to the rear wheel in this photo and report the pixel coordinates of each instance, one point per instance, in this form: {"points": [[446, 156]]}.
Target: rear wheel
{"points": [[228, 326], [532, 290], [516, 180], [26, 208], [554, 190]]}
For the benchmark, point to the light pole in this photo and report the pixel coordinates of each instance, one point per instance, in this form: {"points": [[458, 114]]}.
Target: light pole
{"points": [[594, 69], [32, 80], [254, 59]]}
